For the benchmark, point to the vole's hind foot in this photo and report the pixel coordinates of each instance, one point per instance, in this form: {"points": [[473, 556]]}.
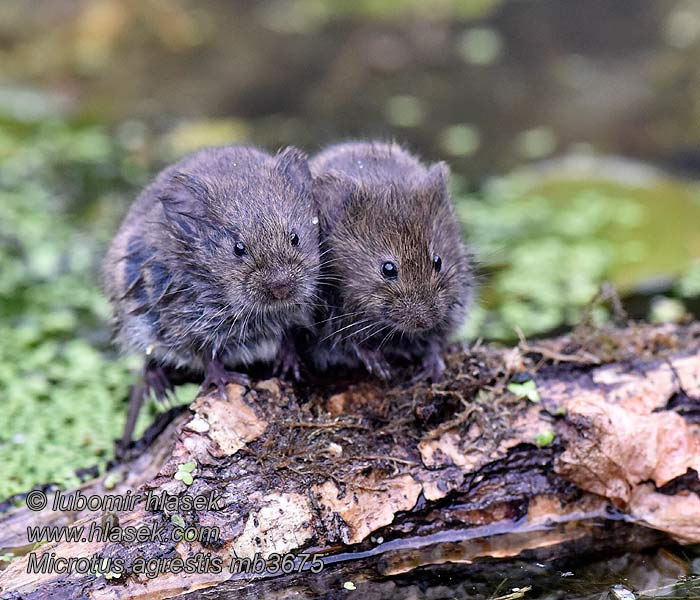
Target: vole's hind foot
{"points": [[375, 363], [137, 395], [154, 383], [218, 377], [158, 385], [124, 452], [287, 361], [432, 367]]}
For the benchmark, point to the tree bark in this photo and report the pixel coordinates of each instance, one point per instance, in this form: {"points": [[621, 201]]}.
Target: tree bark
{"points": [[520, 451]]}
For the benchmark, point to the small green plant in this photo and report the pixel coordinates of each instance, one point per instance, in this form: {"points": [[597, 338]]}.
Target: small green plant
{"points": [[184, 472], [526, 389], [178, 521], [544, 438]]}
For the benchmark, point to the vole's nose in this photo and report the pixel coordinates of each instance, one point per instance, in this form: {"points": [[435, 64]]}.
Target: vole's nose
{"points": [[415, 315], [422, 320], [281, 287]]}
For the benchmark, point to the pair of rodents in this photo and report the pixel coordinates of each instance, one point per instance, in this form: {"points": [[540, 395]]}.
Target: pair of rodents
{"points": [[230, 253]]}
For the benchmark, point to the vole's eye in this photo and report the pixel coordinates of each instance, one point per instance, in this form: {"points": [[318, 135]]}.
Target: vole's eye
{"points": [[390, 270], [239, 249], [437, 263], [294, 239]]}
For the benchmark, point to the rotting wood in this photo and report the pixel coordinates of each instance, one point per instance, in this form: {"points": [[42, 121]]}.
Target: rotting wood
{"points": [[395, 478]]}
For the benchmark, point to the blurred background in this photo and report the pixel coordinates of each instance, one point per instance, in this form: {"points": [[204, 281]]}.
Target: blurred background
{"points": [[572, 128]]}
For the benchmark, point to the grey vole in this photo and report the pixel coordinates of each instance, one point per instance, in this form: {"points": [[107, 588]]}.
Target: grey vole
{"points": [[396, 274], [214, 265]]}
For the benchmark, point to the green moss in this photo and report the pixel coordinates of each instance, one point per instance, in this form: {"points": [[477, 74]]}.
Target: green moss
{"points": [[62, 387], [391, 9], [689, 283], [652, 229], [547, 244]]}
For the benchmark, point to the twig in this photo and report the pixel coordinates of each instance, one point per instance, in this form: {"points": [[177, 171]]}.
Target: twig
{"points": [[331, 425], [582, 357]]}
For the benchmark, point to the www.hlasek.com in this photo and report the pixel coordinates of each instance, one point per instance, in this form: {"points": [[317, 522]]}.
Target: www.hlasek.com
{"points": [[129, 534]]}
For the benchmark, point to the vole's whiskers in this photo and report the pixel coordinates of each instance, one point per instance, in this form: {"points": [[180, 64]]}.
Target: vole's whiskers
{"points": [[353, 324], [373, 333], [354, 333], [326, 263], [392, 331], [245, 323], [350, 314], [176, 291], [201, 319]]}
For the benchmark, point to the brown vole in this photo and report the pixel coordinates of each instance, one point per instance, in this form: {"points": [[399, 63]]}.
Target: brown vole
{"points": [[214, 266], [396, 274]]}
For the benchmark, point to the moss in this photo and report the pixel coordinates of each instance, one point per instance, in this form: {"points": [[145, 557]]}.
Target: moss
{"points": [[546, 244], [62, 387]]}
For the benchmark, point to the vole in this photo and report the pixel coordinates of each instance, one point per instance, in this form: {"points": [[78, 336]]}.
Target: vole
{"points": [[214, 266], [396, 276]]}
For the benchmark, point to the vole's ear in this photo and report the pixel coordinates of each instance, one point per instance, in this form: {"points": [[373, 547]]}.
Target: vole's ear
{"points": [[333, 193], [437, 180], [294, 166], [195, 186], [182, 202]]}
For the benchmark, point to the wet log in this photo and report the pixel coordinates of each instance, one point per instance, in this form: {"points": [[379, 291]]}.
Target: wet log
{"points": [[588, 442]]}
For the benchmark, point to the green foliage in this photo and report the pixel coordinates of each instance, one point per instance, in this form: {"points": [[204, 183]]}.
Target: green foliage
{"points": [[544, 262], [62, 389], [178, 521], [544, 438], [689, 283], [184, 472], [527, 389], [307, 16], [546, 246]]}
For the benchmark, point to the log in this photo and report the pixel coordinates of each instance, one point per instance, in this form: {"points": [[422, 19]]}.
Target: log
{"points": [[520, 453]]}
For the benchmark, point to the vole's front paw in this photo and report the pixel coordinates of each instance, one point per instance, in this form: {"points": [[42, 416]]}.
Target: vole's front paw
{"points": [[432, 367], [287, 362], [154, 383], [218, 377], [375, 363]]}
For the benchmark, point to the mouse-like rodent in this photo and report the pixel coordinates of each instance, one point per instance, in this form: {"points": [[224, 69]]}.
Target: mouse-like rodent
{"points": [[215, 265], [396, 276]]}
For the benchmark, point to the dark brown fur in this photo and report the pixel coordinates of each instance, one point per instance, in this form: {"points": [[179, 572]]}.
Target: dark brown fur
{"points": [[378, 203], [180, 293]]}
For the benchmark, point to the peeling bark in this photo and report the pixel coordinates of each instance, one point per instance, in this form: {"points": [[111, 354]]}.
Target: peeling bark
{"points": [[382, 480]]}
